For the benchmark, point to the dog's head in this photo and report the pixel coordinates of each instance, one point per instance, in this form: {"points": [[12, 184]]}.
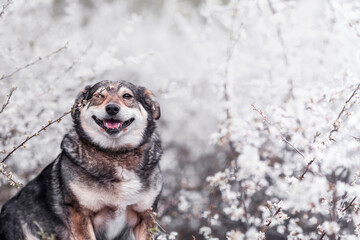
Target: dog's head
{"points": [[115, 115]]}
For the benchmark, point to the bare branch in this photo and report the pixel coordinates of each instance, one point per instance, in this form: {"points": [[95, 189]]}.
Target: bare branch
{"points": [[283, 138], [265, 228], [336, 125], [343, 210], [74, 63], [4, 7], [33, 63], [153, 215], [273, 11], [43, 128], [301, 177], [233, 40], [349, 205], [8, 99]]}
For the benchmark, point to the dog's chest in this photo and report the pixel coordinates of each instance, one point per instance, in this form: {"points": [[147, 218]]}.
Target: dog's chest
{"points": [[96, 196]]}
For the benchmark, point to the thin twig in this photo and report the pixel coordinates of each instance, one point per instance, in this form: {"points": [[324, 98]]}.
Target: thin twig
{"points": [[43, 128], [273, 11], [33, 63], [8, 99], [343, 210], [74, 63], [335, 124], [233, 40], [349, 205], [4, 7], [9, 176], [307, 168], [283, 138], [335, 128], [152, 214], [265, 228]]}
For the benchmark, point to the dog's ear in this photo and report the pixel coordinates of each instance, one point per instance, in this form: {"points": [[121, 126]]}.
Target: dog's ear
{"points": [[80, 101], [150, 101]]}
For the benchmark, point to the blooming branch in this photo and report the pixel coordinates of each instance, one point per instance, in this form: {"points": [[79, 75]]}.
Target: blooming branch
{"points": [[33, 63]]}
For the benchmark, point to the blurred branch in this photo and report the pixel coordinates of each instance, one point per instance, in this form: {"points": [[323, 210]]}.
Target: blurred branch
{"points": [[74, 63], [336, 124], [4, 7], [273, 11], [265, 228], [283, 138], [307, 168], [349, 205], [343, 210], [8, 99], [335, 127], [233, 40], [33, 63], [43, 128]]}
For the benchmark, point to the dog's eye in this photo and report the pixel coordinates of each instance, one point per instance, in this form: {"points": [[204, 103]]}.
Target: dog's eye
{"points": [[99, 96], [127, 96]]}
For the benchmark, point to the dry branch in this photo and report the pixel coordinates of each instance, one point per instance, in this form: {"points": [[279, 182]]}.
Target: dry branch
{"points": [[283, 138], [43, 128], [32, 63], [265, 228], [4, 7], [8, 99], [336, 125], [343, 210]]}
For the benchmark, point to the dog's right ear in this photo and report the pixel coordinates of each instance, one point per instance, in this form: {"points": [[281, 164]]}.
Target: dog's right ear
{"points": [[150, 101], [80, 101]]}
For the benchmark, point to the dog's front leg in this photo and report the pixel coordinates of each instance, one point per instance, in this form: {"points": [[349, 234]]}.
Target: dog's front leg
{"points": [[80, 225]]}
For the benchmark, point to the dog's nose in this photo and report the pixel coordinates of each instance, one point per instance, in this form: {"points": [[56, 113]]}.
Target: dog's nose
{"points": [[112, 109]]}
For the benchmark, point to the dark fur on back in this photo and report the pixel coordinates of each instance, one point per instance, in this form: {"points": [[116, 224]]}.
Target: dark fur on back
{"points": [[49, 206]]}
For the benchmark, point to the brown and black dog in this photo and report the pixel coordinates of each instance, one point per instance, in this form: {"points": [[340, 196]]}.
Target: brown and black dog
{"points": [[106, 177]]}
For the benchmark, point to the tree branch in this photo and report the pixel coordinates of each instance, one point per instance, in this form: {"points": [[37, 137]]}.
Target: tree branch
{"points": [[43, 128], [283, 138], [336, 124], [4, 7], [32, 63], [8, 99]]}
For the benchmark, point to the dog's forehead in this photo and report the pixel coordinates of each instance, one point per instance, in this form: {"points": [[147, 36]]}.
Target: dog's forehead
{"points": [[113, 87]]}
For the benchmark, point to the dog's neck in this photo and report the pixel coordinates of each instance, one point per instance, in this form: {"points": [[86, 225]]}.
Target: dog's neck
{"points": [[92, 159]]}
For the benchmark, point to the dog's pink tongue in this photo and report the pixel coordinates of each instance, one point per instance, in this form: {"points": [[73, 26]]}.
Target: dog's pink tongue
{"points": [[112, 124]]}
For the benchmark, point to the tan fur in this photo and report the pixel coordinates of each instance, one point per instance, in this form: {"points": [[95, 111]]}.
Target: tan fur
{"points": [[80, 225], [141, 230], [108, 161]]}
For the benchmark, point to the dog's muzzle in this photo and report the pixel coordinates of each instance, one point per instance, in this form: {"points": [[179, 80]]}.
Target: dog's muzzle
{"points": [[112, 125]]}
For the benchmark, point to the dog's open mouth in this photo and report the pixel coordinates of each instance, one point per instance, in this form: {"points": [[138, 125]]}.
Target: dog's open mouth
{"points": [[111, 125]]}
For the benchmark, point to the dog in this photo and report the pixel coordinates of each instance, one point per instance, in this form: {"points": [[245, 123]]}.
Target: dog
{"points": [[105, 180]]}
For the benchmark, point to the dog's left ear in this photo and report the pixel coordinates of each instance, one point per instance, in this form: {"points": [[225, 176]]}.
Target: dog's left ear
{"points": [[80, 100], [150, 101]]}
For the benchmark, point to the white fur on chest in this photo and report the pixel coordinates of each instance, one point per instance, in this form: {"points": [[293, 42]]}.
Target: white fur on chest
{"points": [[96, 196]]}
